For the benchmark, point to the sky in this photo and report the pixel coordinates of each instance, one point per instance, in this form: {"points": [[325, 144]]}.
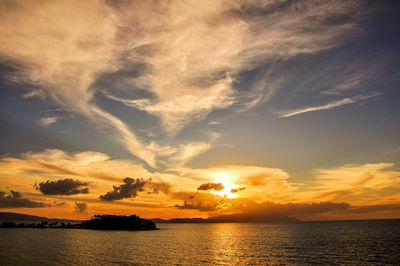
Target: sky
{"points": [[200, 108]]}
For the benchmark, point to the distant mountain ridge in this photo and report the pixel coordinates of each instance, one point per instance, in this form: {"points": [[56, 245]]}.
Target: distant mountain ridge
{"points": [[233, 218], [12, 216]]}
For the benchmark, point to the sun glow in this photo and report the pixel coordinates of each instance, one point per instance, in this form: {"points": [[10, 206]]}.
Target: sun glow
{"points": [[224, 178]]}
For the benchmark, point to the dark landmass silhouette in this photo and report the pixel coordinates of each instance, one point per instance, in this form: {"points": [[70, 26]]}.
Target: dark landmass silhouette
{"points": [[183, 220], [20, 217], [104, 222], [118, 222], [234, 218], [256, 218], [101, 222]]}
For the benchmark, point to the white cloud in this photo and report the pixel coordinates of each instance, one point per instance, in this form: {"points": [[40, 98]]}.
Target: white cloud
{"points": [[47, 121], [192, 52], [391, 151], [351, 82], [196, 49], [213, 123], [327, 106], [180, 109], [189, 151]]}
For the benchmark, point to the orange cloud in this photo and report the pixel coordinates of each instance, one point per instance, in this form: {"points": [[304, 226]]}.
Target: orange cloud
{"points": [[355, 182], [366, 189]]}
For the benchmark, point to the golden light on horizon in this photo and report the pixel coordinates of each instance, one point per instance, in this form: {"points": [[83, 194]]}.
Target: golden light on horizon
{"points": [[196, 109]]}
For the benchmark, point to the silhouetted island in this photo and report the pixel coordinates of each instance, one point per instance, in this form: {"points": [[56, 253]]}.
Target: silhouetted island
{"points": [[101, 222], [118, 222]]}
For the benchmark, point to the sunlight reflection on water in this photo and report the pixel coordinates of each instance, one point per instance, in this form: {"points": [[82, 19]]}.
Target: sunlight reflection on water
{"points": [[359, 242]]}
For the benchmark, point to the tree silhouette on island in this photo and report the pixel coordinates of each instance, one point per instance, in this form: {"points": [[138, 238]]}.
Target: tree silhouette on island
{"points": [[118, 222], [99, 222]]}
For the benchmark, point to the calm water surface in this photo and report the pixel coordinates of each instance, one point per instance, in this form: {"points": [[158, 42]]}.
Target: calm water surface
{"points": [[357, 242]]}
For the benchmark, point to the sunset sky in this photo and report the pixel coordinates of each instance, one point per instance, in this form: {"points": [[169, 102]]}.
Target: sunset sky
{"points": [[200, 108]]}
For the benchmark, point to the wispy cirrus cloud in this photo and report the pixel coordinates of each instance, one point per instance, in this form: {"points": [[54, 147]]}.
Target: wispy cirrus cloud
{"points": [[52, 163], [176, 112], [327, 106], [357, 182], [194, 51], [60, 48], [188, 55], [350, 82]]}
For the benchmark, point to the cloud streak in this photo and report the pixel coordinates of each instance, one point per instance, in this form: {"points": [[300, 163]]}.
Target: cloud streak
{"points": [[56, 163], [327, 106]]}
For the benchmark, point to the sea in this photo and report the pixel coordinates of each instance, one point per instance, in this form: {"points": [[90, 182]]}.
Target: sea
{"points": [[375, 242]]}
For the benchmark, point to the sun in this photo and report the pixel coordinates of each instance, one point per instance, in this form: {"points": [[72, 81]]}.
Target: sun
{"points": [[224, 178]]}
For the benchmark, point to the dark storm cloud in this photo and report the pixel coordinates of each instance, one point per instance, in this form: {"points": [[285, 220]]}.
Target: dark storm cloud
{"points": [[81, 207], [15, 200], [62, 187], [132, 187], [211, 186]]}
